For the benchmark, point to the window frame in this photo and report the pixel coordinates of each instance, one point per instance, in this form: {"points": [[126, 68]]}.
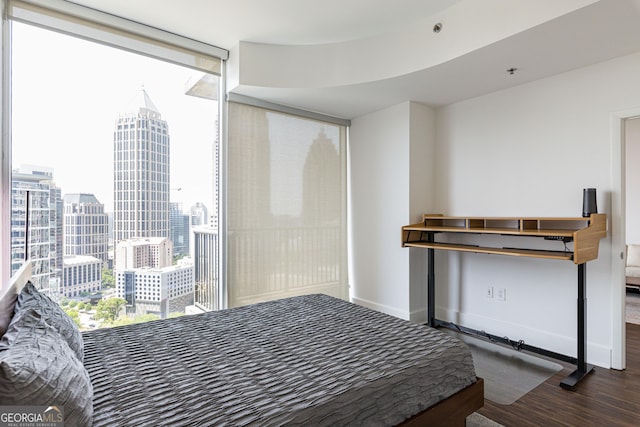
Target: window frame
{"points": [[89, 24], [123, 27]]}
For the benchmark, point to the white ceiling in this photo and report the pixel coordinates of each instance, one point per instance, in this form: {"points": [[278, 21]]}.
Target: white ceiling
{"points": [[223, 23], [604, 30]]}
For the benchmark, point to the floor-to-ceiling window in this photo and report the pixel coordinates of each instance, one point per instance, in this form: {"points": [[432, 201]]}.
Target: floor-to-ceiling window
{"points": [[114, 159], [286, 205], [116, 133]]}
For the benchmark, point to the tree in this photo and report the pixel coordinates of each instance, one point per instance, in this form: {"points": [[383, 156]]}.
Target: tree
{"points": [[109, 309], [107, 278], [74, 316]]}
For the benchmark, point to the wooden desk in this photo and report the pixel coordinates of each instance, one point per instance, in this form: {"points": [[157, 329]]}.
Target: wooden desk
{"points": [[584, 233]]}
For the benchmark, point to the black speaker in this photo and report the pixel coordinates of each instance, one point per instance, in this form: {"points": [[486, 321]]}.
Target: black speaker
{"points": [[589, 204]]}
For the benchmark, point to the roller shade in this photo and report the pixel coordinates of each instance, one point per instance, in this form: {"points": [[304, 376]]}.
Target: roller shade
{"points": [[100, 27]]}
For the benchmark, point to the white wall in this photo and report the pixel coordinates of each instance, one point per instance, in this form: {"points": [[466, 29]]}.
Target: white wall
{"points": [[632, 158], [391, 155], [421, 199], [529, 151]]}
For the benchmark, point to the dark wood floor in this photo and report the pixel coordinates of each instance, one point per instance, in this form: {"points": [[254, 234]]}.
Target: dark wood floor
{"points": [[604, 398]]}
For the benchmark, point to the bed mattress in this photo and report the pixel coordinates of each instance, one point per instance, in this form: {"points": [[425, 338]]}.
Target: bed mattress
{"points": [[308, 360]]}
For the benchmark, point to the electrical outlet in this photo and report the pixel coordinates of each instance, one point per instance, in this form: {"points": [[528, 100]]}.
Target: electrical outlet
{"points": [[501, 294], [489, 292]]}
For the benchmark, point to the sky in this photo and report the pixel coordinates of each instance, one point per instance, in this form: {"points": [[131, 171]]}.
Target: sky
{"points": [[67, 94]]}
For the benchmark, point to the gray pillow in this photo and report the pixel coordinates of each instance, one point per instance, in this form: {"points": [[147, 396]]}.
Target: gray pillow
{"points": [[53, 314], [9, 294], [37, 367]]}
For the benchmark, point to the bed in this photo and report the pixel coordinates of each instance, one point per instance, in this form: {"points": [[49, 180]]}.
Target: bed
{"points": [[307, 360], [632, 266]]}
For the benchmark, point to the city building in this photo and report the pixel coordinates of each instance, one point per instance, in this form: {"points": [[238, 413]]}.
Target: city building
{"points": [[204, 251], [147, 280], [206, 86], [159, 291], [179, 222], [35, 228], [214, 220], [56, 246], [141, 172], [152, 252], [198, 214], [85, 226], [321, 183], [82, 275]]}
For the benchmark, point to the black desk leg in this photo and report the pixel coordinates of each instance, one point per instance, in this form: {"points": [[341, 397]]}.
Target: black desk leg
{"points": [[583, 369], [431, 289]]}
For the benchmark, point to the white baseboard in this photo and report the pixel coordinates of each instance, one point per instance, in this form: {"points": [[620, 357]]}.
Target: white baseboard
{"points": [[417, 316], [381, 308]]}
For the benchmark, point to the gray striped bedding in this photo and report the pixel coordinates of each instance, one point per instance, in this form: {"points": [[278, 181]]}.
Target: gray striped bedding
{"points": [[312, 360]]}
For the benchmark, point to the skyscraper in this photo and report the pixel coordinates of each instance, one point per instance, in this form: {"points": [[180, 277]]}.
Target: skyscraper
{"points": [[35, 227], [141, 172], [56, 247], [204, 251], [179, 229], [321, 189], [85, 226]]}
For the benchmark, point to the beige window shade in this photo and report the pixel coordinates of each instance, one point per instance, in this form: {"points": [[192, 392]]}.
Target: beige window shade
{"points": [[93, 25], [286, 206]]}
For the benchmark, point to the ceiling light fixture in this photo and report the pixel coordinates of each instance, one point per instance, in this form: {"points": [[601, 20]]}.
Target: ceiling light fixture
{"points": [[437, 27]]}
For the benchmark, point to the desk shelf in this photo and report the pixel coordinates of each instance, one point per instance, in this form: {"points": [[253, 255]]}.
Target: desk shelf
{"points": [[532, 253], [583, 232]]}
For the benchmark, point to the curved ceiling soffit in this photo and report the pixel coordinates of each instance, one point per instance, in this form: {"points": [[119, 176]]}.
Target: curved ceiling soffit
{"points": [[463, 28]]}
